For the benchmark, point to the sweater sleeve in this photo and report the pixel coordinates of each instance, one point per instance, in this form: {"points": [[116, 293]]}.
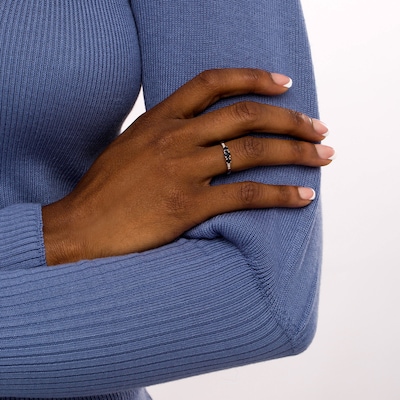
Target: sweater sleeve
{"points": [[21, 237], [238, 289]]}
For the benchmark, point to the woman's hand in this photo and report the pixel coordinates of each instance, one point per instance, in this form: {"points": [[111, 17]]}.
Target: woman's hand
{"points": [[153, 182]]}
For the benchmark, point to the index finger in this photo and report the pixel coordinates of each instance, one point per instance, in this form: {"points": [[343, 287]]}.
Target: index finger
{"points": [[209, 86]]}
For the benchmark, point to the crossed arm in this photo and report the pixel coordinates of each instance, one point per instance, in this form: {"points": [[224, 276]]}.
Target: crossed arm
{"points": [[153, 183]]}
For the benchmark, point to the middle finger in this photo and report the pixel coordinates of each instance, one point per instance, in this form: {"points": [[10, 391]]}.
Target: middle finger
{"points": [[244, 117]]}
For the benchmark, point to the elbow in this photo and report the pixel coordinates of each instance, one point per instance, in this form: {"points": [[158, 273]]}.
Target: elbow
{"points": [[303, 340]]}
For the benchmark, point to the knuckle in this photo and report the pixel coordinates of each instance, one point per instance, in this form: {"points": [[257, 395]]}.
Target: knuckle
{"points": [[169, 140], [251, 147], [177, 202], [297, 150], [162, 146], [210, 79], [174, 167], [246, 111], [164, 141], [297, 118], [253, 75], [249, 193], [284, 194]]}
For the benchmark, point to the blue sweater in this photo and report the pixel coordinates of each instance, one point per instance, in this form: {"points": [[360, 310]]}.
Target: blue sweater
{"points": [[238, 289]]}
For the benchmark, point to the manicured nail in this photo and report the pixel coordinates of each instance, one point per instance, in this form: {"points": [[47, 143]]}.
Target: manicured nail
{"points": [[325, 152], [282, 80], [320, 127], [306, 193]]}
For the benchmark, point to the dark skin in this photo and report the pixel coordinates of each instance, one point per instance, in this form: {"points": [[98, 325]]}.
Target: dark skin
{"points": [[112, 209]]}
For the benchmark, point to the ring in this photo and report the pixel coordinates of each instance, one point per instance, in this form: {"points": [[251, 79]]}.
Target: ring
{"points": [[228, 158]]}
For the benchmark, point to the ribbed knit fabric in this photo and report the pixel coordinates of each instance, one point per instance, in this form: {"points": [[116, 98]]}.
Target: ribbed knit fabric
{"points": [[238, 289]]}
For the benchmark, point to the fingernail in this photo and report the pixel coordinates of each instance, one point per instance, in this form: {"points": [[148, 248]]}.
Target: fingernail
{"points": [[320, 127], [325, 152], [306, 193], [282, 80]]}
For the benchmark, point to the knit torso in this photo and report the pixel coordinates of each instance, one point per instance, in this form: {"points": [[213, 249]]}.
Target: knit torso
{"points": [[70, 73]]}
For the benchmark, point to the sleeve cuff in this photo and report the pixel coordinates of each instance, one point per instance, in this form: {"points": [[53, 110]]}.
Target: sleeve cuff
{"points": [[21, 237]]}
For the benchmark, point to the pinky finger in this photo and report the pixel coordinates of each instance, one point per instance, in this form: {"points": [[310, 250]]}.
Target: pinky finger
{"points": [[251, 195]]}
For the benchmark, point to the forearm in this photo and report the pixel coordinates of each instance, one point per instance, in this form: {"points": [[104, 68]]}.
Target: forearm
{"points": [[141, 319]]}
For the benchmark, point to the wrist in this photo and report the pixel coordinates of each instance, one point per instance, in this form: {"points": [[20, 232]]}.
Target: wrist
{"points": [[60, 241]]}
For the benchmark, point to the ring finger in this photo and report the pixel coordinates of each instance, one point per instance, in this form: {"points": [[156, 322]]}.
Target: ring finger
{"points": [[249, 151]]}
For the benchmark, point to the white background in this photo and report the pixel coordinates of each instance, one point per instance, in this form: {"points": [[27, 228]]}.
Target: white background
{"points": [[355, 45]]}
